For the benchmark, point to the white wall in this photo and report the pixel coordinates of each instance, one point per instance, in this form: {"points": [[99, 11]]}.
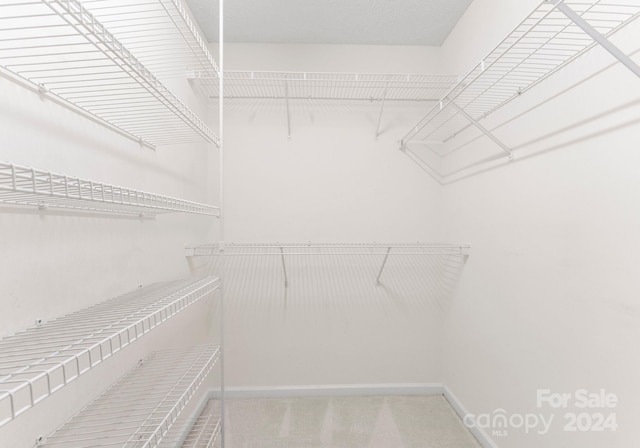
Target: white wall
{"points": [[332, 182], [55, 262], [548, 298]]}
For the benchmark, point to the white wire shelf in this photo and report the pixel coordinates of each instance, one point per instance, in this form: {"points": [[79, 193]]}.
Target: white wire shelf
{"points": [[160, 33], [20, 185], [38, 362], [329, 249], [541, 44], [327, 86], [140, 409], [341, 274], [204, 432], [60, 48]]}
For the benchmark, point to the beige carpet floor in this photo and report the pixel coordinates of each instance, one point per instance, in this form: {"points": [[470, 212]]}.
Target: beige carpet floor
{"points": [[345, 422]]}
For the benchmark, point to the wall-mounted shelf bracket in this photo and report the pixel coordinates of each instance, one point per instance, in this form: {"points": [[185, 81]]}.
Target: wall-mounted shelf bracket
{"points": [[384, 261], [286, 95], [284, 268], [426, 167], [484, 130], [384, 97]]}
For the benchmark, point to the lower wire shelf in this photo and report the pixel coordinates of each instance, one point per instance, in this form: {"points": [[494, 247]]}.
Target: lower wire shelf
{"points": [[141, 408], [205, 433], [37, 362], [202, 432]]}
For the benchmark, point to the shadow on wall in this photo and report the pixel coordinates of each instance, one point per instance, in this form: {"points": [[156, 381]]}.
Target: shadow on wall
{"points": [[341, 279]]}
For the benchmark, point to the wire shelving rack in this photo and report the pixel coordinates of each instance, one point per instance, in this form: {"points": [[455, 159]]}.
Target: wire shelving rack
{"points": [[374, 249], [553, 35], [319, 86], [290, 253], [140, 409], [161, 33], [20, 185], [37, 362], [328, 86], [59, 48]]}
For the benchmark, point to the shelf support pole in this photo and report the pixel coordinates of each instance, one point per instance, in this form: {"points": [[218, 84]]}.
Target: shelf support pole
{"points": [[222, 210], [286, 94], [484, 130], [382, 267], [284, 268], [595, 35], [384, 97]]}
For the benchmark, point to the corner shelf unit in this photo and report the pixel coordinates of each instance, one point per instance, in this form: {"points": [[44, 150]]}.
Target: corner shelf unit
{"points": [[37, 362], [327, 86], [20, 185], [59, 48], [161, 33], [553, 35], [140, 409]]}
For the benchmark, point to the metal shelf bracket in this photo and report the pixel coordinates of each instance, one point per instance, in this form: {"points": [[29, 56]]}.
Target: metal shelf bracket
{"points": [[484, 130], [596, 36], [286, 95], [384, 261], [284, 268], [384, 98]]}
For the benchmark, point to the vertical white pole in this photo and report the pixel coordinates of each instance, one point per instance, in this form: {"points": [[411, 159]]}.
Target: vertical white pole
{"points": [[222, 210]]}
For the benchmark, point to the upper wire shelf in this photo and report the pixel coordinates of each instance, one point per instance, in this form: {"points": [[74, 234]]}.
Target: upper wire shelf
{"points": [[541, 44], [60, 48], [161, 33], [304, 270], [140, 409], [327, 86], [37, 362], [20, 185]]}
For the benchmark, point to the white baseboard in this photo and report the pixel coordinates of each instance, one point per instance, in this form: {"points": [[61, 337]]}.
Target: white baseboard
{"points": [[479, 433], [339, 390]]}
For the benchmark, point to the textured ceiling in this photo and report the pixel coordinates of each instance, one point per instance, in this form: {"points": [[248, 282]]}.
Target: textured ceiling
{"points": [[372, 22]]}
